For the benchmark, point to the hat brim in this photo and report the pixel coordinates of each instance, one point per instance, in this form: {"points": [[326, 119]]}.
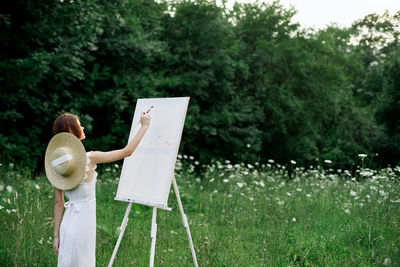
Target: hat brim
{"points": [[77, 149]]}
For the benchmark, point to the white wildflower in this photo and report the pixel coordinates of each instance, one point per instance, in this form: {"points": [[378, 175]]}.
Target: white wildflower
{"points": [[293, 162], [185, 156], [37, 186], [352, 193], [387, 261], [299, 189], [1, 207], [191, 157], [240, 184], [250, 166], [225, 180], [366, 173], [1, 187], [229, 196], [328, 161], [347, 211], [248, 145], [9, 188], [271, 161], [287, 193], [293, 219], [281, 202], [262, 183], [13, 210], [252, 198], [211, 180], [198, 180], [196, 163], [362, 155], [308, 195]]}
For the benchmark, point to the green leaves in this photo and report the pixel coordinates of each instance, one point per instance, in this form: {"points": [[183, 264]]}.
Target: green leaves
{"points": [[260, 86]]}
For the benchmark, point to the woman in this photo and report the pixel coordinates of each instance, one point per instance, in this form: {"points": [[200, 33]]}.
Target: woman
{"points": [[75, 235]]}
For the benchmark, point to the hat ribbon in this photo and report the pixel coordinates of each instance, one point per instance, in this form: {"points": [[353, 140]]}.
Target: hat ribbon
{"points": [[61, 160]]}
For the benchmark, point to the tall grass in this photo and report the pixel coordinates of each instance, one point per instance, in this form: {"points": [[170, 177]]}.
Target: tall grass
{"points": [[239, 215]]}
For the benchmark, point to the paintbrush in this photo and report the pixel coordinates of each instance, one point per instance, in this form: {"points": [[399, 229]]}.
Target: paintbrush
{"points": [[150, 108]]}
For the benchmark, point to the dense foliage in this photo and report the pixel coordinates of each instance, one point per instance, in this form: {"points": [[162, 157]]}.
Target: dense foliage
{"points": [[260, 86]]}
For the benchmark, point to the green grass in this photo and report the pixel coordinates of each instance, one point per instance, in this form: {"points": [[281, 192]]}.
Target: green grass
{"points": [[238, 215]]}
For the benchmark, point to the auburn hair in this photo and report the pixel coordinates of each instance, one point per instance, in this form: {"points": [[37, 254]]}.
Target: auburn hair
{"points": [[67, 122]]}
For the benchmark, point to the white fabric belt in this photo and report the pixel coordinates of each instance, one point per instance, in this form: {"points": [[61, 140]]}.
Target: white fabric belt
{"points": [[74, 203], [61, 159]]}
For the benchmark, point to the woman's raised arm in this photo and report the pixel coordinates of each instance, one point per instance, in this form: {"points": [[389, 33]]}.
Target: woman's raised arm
{"points": [[114, 155]]}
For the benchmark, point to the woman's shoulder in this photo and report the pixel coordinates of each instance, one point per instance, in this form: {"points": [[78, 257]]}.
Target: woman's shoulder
{"points": [[89, 161], [90, 168]]}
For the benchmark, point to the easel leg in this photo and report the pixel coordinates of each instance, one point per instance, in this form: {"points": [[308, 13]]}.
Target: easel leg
{"points": [[123, 226], [153, 237], [185, 221]]}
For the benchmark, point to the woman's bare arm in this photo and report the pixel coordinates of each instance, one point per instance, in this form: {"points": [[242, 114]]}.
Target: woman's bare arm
{"points": [[114, 155], [58, 211]]}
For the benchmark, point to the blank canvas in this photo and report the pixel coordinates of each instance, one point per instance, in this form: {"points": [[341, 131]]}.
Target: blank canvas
{"points": [[147, 174]]}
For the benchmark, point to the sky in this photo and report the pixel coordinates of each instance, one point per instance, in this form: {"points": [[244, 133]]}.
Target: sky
{"points": [[320, 13]]}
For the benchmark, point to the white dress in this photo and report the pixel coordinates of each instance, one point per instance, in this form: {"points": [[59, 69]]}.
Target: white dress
{"points": [[78, 226]]}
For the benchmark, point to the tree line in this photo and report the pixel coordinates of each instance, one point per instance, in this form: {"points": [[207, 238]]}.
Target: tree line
{"points": [[261, 86]]}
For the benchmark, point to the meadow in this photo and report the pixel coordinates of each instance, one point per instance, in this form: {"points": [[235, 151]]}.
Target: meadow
{"points": [[239, 215]]}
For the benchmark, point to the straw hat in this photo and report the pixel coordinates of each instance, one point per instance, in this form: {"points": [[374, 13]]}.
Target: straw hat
{"points": [[65, 161]]}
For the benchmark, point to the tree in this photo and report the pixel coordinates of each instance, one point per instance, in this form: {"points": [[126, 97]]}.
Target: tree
{"points": [[222, 117]]}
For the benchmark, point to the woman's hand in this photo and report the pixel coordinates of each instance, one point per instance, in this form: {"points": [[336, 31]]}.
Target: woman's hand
{"points": [[56, 245], [145, 119]]}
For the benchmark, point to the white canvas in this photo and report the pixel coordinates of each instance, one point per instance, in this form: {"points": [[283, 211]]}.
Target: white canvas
{"points": [[147, 174]]}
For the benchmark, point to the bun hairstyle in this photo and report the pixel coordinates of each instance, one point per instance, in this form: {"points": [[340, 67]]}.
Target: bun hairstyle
{"points": [[67, 122]]}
